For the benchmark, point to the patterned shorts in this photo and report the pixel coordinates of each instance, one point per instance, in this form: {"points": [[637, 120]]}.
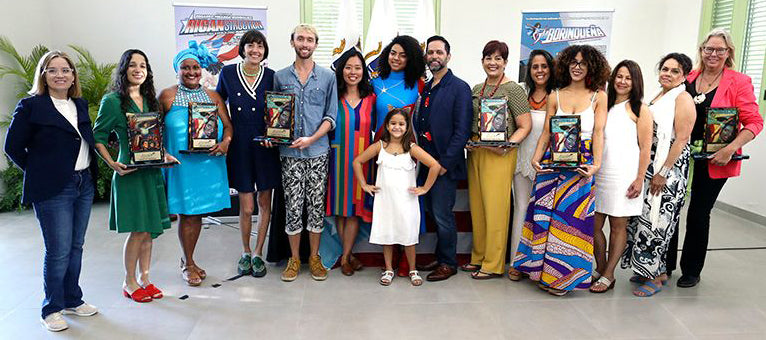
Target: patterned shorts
{"points": [[304, 181]]}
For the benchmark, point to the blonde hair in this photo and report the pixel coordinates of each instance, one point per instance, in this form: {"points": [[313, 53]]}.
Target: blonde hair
{"points": [[40, 85], [305, 28], [721, 33]]}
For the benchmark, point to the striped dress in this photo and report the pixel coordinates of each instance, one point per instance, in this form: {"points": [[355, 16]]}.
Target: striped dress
{"points": [[352, 135]]}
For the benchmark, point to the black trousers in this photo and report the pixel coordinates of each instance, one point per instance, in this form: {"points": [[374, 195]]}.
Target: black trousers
{"points": [[704, 193]]}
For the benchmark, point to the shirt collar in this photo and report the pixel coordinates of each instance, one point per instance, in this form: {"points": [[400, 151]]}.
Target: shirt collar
{"points": [[311, 75]]}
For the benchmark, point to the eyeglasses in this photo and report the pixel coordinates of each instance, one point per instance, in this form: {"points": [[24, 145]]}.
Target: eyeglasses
{"points": [[581, 64], [718, 51], [55, 71]]}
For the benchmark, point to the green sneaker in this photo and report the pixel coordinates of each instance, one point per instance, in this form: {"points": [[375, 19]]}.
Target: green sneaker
{"points": [[243, 266], [259, 267]]}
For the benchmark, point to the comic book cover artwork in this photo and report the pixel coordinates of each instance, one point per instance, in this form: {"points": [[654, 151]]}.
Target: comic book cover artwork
{"points": [[203, 126], [145, 136], [493, 122], [280, 108], [720, 128], [565, 140]]}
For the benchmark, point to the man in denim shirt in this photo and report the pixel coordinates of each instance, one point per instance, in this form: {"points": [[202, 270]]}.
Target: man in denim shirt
{"points": [[304, 163]]}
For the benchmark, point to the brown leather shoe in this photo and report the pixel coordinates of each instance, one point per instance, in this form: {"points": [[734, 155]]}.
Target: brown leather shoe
{"points": [[428, 267], [442, 272], [347, 269], [355, 263]]}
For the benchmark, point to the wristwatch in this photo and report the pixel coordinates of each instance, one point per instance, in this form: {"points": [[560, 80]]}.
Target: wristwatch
{"points": [[664, 171]]}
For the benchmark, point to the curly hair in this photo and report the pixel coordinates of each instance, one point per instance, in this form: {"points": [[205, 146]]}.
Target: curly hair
{"points": [[416, 64], [365, 89], [528, 79], [120, 82], [597, 67]]}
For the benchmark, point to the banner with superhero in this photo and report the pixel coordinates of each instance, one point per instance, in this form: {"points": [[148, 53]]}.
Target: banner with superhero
{"points": [[219, 29], [555, 31]]}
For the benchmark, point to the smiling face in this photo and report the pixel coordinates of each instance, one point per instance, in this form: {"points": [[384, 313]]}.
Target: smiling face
{"points": [[353, 71], [540, 71], [397, 126], [623, 83], [578, 69], [190, 73], [436, 56], [397, 58], [59, 75], [254, 52], [494, 65], [671, 74], [714, 53], [304, 42], [137, 71]]}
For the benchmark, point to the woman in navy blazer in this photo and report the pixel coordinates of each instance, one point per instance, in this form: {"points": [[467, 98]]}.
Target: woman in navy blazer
{"points": [[51, 140]]}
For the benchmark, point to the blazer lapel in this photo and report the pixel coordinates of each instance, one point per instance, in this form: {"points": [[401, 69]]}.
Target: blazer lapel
{"points": [[721, 98], [55, 118]]}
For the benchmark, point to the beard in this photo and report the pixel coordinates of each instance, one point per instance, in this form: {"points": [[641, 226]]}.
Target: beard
{"points": [[299, 53], [435, 65]]}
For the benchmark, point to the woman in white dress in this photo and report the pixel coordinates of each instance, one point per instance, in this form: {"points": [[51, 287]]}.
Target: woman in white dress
{"points": [[540, 81], [619, 182], [649, 234]]}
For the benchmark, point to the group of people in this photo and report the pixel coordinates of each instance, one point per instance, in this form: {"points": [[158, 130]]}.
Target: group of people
{"points": [[386, 151]]}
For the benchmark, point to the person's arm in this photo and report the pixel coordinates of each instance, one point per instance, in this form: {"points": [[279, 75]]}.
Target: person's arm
{"points": [[364, 157], [433, 169], [108, 112], [223, 113], [461, 127], [645, 130], [19, 135], [545, 135], [598, 136], [752, 123], [683, 124], [328, 118]]}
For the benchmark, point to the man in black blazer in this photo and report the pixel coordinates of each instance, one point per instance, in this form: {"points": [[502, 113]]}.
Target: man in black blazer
{"points": [[443, 126]]}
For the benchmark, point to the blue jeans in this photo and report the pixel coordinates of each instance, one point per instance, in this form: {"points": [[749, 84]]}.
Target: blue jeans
{"points": [[63, 220], [439, 203]]}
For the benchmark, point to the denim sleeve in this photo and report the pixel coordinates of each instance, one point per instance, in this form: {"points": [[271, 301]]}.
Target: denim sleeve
{"points": [[331, 104]]}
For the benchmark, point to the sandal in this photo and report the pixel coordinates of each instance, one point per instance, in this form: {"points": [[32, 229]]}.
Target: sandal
{"points": [[138, 295], [604, 282], [200, 272], [415, 278], [386, 277], [514, 274], [469, 267], [482, 275], [191, 276], [153, 291], [645, 289], [641, 279], [557, 292]]}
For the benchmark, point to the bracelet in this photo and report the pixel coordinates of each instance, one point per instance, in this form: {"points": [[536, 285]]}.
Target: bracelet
{"points": [[664, 171]]}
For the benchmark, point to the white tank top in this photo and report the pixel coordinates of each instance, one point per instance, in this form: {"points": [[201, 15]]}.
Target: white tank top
{"points": [[587, 117]]}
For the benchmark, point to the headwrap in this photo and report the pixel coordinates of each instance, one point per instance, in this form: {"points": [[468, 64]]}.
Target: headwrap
{"points": [[197, 52]]}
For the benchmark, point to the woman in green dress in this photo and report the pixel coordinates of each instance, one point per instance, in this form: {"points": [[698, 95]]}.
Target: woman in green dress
{"points": [[137, 203]]}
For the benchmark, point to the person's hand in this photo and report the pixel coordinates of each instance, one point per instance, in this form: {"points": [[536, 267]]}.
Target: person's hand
{"points": [[417, 191], [721, 157], [170, 159], [635, 188], [470, 147], [267, 143], [302, 143], [370, 189], [539, 168], [588, 170], [220, 149], [121, 169], [657, 183]]}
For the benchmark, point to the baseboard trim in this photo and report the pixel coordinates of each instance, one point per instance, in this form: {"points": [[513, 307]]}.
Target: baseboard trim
{"points": [[748, 215]]}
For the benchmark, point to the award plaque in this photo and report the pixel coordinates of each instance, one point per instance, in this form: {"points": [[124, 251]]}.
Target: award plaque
{"points": [[721, 124], [280, 114], [493, 124], [564, 142], [145, 138], [203, 127]]}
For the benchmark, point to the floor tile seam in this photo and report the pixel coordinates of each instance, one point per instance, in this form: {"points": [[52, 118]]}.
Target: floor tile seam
{"points": [[678, 320], [586, 317]]}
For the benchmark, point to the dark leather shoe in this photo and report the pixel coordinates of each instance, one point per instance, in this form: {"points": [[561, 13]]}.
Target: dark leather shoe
{"points": [[355, 263], [347, 269], [442, 272], [687, 281], [428, 267]]}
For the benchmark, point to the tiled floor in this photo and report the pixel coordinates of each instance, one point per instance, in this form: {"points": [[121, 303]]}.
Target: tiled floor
{"points": [[729, 303]]}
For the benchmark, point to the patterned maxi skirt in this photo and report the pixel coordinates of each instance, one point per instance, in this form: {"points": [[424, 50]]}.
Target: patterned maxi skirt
{"points": [[556, 246]]}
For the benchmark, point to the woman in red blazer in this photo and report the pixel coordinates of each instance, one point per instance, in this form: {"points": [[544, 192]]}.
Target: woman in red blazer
{"points": [[713, 84]]}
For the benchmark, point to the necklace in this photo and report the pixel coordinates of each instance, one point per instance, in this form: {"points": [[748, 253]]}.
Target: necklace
{"points": [[244, 71], [384, 88], [698, 99], [497, 86]]}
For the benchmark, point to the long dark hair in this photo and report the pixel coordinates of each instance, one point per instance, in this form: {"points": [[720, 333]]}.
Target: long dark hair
{"points": [[551, 84], [120, 82], [598, 68], [365, 89], [409, 134], [416, 65], [637, 88]]}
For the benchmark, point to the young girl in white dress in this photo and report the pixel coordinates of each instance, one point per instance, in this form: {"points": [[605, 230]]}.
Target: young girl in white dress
{"points": [[396, 212]]}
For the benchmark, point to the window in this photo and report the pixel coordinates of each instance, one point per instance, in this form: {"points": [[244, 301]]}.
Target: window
{"points": [[755, 44], [722, 14]]}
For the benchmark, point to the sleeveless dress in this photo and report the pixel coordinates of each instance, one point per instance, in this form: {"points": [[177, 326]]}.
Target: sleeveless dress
{"points": [[556, 246], [619, 165], [649, 234], [396, 212], [199, 184]]}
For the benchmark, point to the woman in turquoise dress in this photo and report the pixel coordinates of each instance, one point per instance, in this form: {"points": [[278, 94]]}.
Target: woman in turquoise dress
{"points": [[398, 83], [199, 184], [137, 203]]}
